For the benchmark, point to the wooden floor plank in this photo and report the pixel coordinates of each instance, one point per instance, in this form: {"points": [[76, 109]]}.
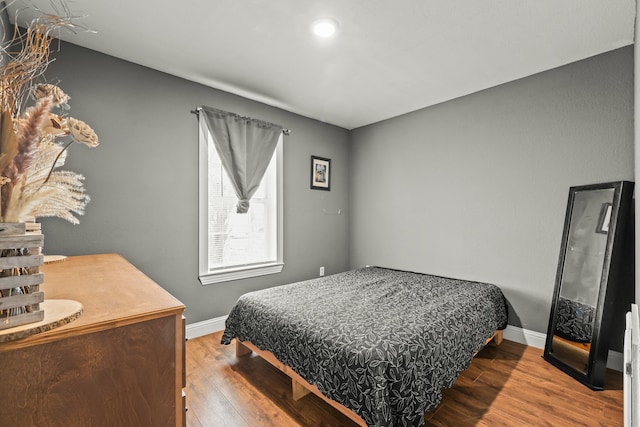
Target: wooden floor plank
{"points": [[206, 405], [206, 402], [544, 391], [507, 385]]}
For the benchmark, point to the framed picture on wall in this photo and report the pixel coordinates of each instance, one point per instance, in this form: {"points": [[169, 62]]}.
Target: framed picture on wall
{"points": [[320, 173]]}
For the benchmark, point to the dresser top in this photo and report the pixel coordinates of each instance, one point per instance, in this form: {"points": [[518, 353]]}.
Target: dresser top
{"points": [[112, 291]]}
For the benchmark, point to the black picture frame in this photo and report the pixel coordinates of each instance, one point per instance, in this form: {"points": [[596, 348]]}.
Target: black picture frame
{"points": [[320, 173], [605, 219]]}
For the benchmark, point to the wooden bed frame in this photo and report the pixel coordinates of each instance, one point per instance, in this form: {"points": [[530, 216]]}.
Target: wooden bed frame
{"points": [[300, 387]]}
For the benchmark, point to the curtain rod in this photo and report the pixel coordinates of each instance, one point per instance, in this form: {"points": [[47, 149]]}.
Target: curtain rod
{"points": [[197, 111]]}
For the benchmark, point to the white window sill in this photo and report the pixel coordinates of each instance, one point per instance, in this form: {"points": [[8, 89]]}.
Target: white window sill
{"points": [[229, 274]]}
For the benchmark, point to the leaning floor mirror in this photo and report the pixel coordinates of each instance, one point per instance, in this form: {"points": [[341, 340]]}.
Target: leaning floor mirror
{"points": [[589, 280]]}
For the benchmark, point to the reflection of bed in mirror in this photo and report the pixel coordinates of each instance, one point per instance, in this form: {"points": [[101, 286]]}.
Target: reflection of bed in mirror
{"points": [[574, 320], [573, 333], [573, 353], [588, 280]]}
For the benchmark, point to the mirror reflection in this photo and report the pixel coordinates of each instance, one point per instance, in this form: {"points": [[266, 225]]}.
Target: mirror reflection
{"points": [[581, 276]]}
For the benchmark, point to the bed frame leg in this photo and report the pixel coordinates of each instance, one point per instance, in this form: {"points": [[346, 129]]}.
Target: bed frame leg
{"points": [[241, 349], [497, 338], [298, 391]]}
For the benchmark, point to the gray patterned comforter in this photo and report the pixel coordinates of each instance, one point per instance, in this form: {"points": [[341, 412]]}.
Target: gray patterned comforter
{"points": [[574, 320], [384, 343]]}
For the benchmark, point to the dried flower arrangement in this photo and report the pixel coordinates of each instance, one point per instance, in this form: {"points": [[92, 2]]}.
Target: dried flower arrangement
{"points": [[34, 143]]}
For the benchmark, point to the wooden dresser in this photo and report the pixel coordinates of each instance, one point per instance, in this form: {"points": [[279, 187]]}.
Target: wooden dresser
{"points": [[121, 363]]}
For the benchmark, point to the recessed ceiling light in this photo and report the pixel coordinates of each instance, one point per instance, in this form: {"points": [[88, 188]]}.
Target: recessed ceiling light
{"points": [[325, 27]]}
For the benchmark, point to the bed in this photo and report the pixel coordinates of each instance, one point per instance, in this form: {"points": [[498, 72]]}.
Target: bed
{"points": [[376, 343]]}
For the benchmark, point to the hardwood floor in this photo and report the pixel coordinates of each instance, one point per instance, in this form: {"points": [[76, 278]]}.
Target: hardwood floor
{"points": [[508, 385]]}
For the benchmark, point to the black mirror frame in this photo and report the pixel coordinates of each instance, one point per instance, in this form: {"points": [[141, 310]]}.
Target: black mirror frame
{"points": [[597, 365]]}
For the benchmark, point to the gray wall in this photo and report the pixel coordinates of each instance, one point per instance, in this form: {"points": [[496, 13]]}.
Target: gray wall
{"points": [[476, 188], [143, 179]]}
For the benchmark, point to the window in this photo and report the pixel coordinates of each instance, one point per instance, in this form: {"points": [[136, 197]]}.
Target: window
{"points": [[236, 246]]}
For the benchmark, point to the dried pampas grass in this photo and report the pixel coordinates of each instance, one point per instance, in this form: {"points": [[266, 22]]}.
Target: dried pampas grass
{"points": [[47, 193], [32, 143]]}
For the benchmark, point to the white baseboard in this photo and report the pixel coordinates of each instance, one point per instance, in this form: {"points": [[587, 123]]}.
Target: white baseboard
{"points": [[511, 333], [615, 360], [198, 329], [538, 340], [525, 336]]}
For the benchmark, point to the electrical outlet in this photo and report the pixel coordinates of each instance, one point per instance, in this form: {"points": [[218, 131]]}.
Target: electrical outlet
{"points": [[321, 271]]}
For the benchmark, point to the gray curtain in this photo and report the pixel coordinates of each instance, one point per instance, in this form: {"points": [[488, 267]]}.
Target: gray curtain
{"points": [[245, 146]]}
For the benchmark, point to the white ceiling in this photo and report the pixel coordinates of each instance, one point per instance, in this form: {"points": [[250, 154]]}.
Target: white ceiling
{"points": [[389, 57]]}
